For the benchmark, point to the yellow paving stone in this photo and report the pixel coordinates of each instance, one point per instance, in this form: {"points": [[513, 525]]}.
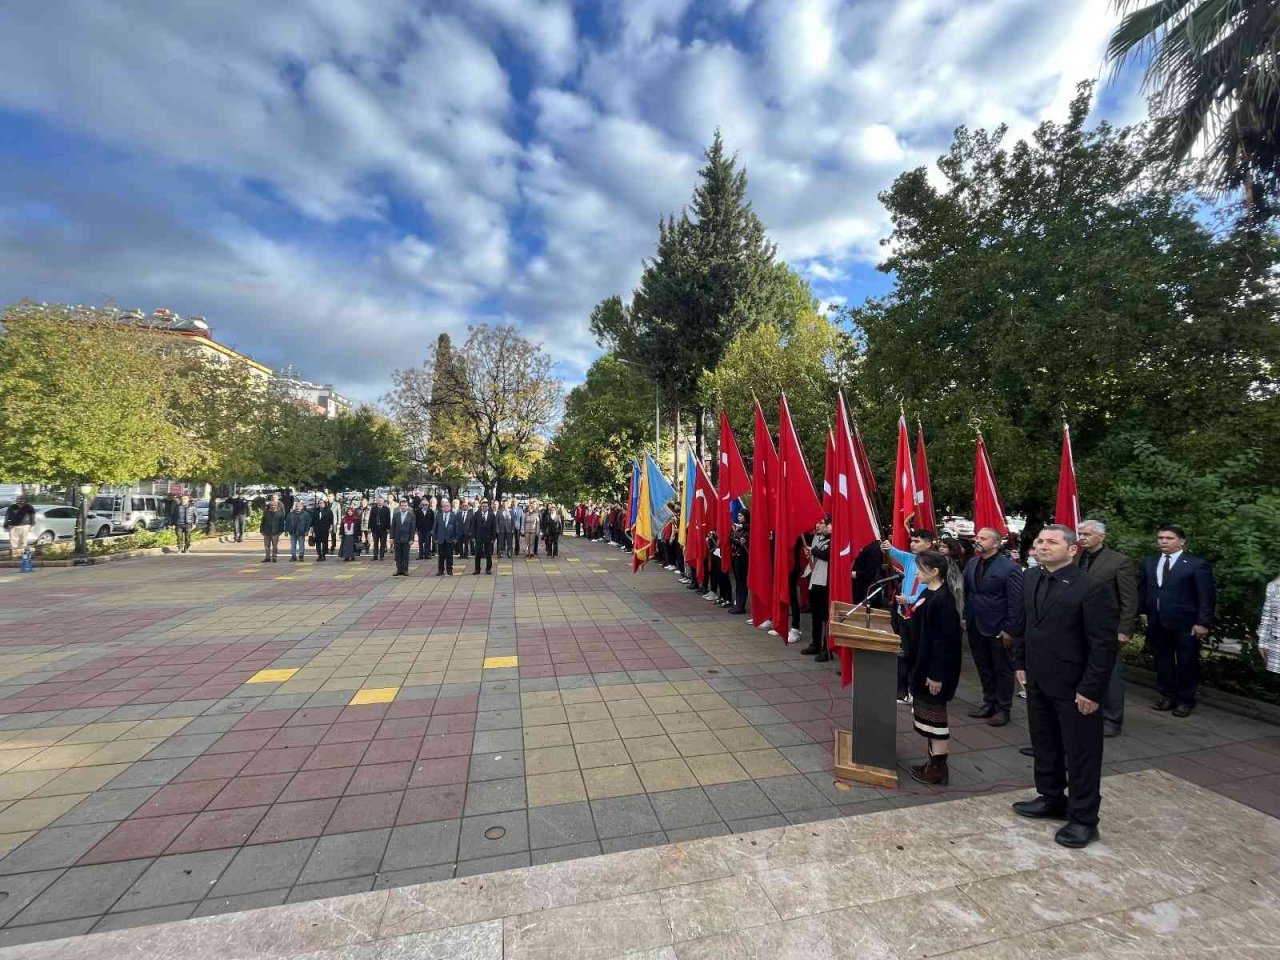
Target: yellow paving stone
{"points": [[15, 786], [642, 749], [632, 727], [579, 712], [556, 735], [10, 841], [375, 695], [665, 705], [543, 716], [659, 775], [41, 737], [649, 690], [123, 751], [272, 676], [11, 758], [494, 663], [682, 723], [593, 731], [605, 782], [740, 739], [703, 743], [162, 727], [58, 758], [717, 768], [282, 578], [79, 779], [765, 763], [548, 789], [630, 708], [602, 753], [550, 759], [100, 732], [34, 813], [580, 695]]}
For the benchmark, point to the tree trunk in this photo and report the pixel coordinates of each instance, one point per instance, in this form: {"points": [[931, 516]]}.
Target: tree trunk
{"points": [[675, 446], [697, 434]]}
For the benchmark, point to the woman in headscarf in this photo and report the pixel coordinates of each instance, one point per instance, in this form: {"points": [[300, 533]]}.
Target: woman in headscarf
{"points": [[350, 530]]}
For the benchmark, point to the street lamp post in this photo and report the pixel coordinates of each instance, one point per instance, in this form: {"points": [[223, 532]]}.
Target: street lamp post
{"points": [[82, 526]]}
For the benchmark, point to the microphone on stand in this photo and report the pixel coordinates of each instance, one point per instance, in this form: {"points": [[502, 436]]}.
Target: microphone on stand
{"points": [[877, 588]]}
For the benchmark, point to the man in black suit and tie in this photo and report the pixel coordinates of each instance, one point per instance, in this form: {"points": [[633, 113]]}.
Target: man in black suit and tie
{"points": [[484, 528], [403, 524], [1064, 649], [447, 531], [380, 526], [1119, 572], [1177, 597]]}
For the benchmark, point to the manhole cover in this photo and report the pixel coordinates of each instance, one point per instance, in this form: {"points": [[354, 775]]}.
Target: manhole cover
{"points": [[495, 833]]}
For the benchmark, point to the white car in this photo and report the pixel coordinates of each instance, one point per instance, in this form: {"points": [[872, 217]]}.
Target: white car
{"points": [[57, 521]]}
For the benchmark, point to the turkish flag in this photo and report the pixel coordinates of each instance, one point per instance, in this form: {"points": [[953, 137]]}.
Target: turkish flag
{"points": [[703, 521], [924, 487], [904, 491], [988, 509], [853, 522], [864, 463], [796, 512], [734, 483], [764, 466], [1067, 511], [828, 473]]}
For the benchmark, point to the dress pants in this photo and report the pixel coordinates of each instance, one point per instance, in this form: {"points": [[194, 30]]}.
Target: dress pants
{"points": [[819, 610], [1113, 699], [516, 538], [322, 546], [553, 545], [402, 556], [483, 550], [237, 527], [270, 545], [1177, 655], [504, 544], [422, 545], [379, 544], [1068, 753], [444, 554], [995, 670]]}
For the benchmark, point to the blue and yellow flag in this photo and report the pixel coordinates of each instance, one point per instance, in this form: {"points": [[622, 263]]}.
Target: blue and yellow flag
{"points": [[660, 494], [633, 495], [642, 531], [687, 483]]}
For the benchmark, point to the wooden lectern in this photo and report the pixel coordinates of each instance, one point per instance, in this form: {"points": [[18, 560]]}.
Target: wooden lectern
{"points": [[868, 754]]}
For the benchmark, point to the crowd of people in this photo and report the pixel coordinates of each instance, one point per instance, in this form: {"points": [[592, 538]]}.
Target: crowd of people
{"points": [[442, 529]]}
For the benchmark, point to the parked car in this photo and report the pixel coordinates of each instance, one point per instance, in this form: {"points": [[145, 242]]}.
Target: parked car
{"points": [[223, 511], [131, 512], [57, 521]]}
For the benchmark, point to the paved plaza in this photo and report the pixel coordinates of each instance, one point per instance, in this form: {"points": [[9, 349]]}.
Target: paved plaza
{"points": [[183, 736]]}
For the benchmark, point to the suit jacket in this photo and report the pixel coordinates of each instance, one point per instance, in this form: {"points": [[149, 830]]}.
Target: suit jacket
{"points": [[426, 521], [484, 527], [380, 518], [448, 526], [1070, 646], [468, 521], [1118, 572], [322, 520], [1187, 598], [505, 522], [993, 605], [402, 529]]}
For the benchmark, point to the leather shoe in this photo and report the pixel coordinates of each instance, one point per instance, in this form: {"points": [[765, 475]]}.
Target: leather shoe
{"points": [[1041, 808], [1075, 835], [1111, 730], [1163, 704], [999, 720], [983, 712], [810, 650], [1027, 751], [1182, 711]]}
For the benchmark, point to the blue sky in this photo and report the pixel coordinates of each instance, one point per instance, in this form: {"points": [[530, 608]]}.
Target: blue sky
{"points": [[333, 183]]}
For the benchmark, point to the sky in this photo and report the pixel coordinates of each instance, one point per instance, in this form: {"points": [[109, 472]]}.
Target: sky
{"points": [[333, 183]]}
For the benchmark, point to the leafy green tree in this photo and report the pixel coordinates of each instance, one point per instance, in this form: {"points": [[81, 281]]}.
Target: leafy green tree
{"points": [[1214, 69], [370, 451], [294, 447], [83, 399], [713, 275]]}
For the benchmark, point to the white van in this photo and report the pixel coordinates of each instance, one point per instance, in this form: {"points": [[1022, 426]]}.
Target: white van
{"points": [[131, 512]]}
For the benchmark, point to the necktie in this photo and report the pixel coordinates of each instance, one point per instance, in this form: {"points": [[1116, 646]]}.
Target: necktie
{"points": [[1164, 573]]}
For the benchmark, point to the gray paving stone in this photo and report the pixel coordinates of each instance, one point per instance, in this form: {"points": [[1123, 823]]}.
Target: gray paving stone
{"points": [[245, 901], [561, 825], [758, 823], [140, 918], [498, 741], [82, 892], [414, 875], [784, 734], [151, 773], [266, 866], [623, 816], [738, 801], [846, 794], [459, 690], [808, 757], [330, 888], [21, 889], [683, 808], [493, 796], [175, 879], [510, 861], [14, 936], [503, 765], [761, 716], [792, 793], [106, 805], [343, 855], [421, 691], [498, 719], [700, 832], [183, 745], [572, 851], [828, 812], [335, 698], [207, 724], [183, 708], [473, 845], [633, 842], [133, 711], [539, 684], [421, 845], [55, 847]]}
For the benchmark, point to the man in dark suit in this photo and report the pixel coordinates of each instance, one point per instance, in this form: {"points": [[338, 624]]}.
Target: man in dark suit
{"points": [[1064, 649], [403, 525], [380, 526], [484, 528], [426, 520], [992, 599], [1177, 598], [446, 533], [1119, 573], [505, 523]]}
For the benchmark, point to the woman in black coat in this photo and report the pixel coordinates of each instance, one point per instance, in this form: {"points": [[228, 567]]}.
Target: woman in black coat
{"points": [[935, 670]]}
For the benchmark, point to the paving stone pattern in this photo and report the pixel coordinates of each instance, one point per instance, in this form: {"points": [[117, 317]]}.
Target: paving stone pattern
{"points": [[190, 735]]}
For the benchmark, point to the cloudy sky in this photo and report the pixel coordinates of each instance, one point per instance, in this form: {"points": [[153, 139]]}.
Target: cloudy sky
{"points": [[334, 182]]}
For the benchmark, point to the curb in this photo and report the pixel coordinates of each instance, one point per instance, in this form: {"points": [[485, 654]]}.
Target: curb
{"points": [[1230, 702]]}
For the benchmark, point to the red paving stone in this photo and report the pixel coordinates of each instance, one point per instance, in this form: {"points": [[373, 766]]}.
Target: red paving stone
{"points": [[138, 838], [365, 812], [293, 821], [423, 804], [216, 829]]}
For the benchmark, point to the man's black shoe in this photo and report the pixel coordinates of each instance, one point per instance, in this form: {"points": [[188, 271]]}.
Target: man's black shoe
{"points": [[983, 712], [1163, 704], [1182, 711], [811, 649], [1075, 835], [999, 720], [1027, 751], [1110, 729], [1041, 808], [824, 656]]}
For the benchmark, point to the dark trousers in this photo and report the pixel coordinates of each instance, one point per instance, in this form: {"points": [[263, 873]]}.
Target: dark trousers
{"points": [[1068, 753], [379, 544], [516, 535], [504, 543], [724, 585], [577, 528], [995, 670], [402, 556], [270, 545], [184, 538], [423, 537], [322, 545], [793, 595], [237, 527], [740, 584], [1113, 699], [484, 549], [464, 547], [444, 557], [819, 611], [553, 545], [1177, 655]]}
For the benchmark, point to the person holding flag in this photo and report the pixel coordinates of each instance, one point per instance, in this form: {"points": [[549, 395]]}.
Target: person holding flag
{"points": [[797, 511], [760, 547], [734, 484]]}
